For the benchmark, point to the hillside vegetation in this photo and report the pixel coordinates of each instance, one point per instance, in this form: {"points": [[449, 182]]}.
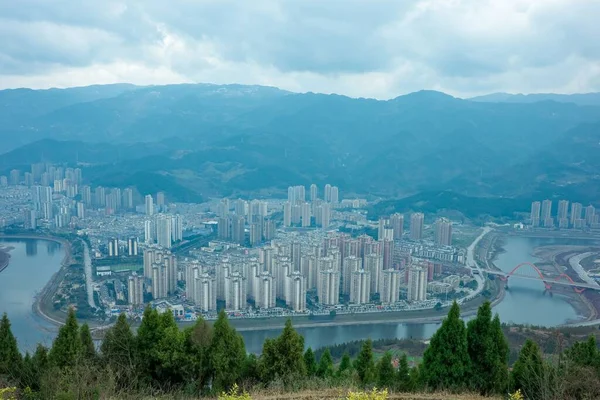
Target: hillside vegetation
{"points": [[211, 360]]}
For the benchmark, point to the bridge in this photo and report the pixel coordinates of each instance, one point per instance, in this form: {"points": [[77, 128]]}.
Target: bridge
{"points": [[528, 270]]}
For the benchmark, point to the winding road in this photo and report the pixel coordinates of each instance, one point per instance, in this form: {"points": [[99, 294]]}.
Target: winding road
{"points": [[87, 264]]}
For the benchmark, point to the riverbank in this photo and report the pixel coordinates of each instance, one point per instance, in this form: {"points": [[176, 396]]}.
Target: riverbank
{"points": [[43, 301], [4, 259]]}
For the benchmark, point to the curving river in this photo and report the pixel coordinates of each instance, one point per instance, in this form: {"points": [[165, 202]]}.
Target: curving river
{"points": [[34, 261]]}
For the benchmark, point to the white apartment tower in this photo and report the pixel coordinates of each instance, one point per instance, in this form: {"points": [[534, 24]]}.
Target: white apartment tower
{"points": [[360, 289], [417, 284]]}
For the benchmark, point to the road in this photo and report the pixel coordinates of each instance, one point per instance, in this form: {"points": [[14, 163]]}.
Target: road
{"points": [[87, 264], [593, 286], [472, 264], [575, 263]]}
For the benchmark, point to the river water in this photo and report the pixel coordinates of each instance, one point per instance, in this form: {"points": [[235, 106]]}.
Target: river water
{"points": [[34, 261]]}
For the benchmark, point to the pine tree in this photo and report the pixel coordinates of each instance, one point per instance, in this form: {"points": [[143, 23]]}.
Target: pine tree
{"points": [[585, 354], [385, 372], [364, 364], [66, 349], [488, 352], [345, 368], [199, 339], [38, 367], [446, 360], [283, 357], [149, 334], [325, 368], [227, 354], [528, 371], [10, 357], [403, 374], [88, 349], [119, 351], [310, 362]]}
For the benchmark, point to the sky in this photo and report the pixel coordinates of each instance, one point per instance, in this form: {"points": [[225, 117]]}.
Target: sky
{"points": [[367, 48]]}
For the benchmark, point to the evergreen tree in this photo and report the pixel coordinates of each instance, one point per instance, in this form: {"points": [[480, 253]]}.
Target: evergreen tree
{"points": [[37, 368], [585, 354], [403, 374], [66, 348], [119, 352], [10, 357], [310, 362], [149, 335], [250, 371], [88, 349], [364, 364], [283, 357], [345, 368], [528, 371], [325, 368], [227, 354], [199, 339], [446, 360], [385, 372], [488, 352]]}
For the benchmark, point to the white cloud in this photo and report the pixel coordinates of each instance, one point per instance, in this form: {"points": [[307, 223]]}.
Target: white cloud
{"points": [[376, 48]]}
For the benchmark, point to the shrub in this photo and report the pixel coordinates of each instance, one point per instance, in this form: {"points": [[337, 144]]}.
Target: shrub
{"points": [[516, 395], [9, 393], [372, 395], [234, 394]]}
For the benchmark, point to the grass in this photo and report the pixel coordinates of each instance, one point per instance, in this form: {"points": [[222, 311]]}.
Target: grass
{"points": [[341, 394]]}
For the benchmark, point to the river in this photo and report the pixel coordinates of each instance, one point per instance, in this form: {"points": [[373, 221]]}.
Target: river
{"points": [[32, 264], [34, 261]]}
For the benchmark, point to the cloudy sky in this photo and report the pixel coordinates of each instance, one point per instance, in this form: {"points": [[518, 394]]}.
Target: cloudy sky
{"points": [[369, 48]]}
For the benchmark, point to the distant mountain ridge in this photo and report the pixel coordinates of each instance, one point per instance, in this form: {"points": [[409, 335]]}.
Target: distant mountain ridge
{"points": [[234, 139], [582, 99]]}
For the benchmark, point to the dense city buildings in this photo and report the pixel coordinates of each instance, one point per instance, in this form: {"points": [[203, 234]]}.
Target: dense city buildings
{"points": [[578, 217]]}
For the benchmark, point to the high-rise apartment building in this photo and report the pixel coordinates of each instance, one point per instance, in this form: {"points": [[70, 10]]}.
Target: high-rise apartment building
{"points": [[590, 214], [265, 294], [443, 232], [149, 205], [360, 288], [297, 287], [160, 200], [576, 210], [327, 193], [127, 200], [563, 214], [329, 287], [546, 210], [314, 192], [135, 290], [397, 224], [373, 263], [113, 247], [306, 215], [335, 195], [163, 230], [535, 213], [176, 228], [235, 292], [287, 214], [238, 232], [417, 283], [416, 226], [390, 291], [149, 231], [132, 246]]}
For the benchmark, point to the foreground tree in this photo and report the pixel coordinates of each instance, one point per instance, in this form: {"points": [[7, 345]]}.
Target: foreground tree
{"points": [[325, 369], [488, 352], [198, 340], [403, 380], [385, 372], [345, 369], [446, 360], [310, 362], [227, 354], [10, 357], [283, 357], [364, 364], [88, 349], [528, 371], [66, 349], [119, 353]]}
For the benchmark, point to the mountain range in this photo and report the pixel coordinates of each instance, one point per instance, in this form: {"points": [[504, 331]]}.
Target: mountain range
{"points": [[205, 140]]}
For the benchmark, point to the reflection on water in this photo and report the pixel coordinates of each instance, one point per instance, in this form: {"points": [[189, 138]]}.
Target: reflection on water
{"points": [[32, 264]]}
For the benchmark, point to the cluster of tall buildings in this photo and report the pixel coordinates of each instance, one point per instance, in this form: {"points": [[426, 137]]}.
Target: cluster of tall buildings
{"points": [[159, 278], [233, 222], [339, 268], [114, 248], [59, 178], [392, 227], [315, 211], [575, 216], [163, 229]]}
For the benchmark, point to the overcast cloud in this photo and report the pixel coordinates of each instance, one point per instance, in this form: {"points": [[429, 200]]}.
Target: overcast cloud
{"points": [[365, 48]]}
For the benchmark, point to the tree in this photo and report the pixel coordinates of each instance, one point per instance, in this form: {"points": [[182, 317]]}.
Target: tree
{"points": [[385, 371], [310, 362], [345, 368], [283, 357], [403, 374], [66, 348], [446, 360], [585, 354], [88, 350], [198, 342], [528, 371], [119, 352], [10, 357], [488, 352], [325, 369], [364, 364], [227, 354], [148, 336]]}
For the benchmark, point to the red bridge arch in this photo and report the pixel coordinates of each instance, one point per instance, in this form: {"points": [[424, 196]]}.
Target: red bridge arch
{"points": [[542, 277]]}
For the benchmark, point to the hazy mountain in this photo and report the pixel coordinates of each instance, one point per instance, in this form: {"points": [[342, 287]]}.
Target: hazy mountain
{"points": [[583, 99], [216, 139]]}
